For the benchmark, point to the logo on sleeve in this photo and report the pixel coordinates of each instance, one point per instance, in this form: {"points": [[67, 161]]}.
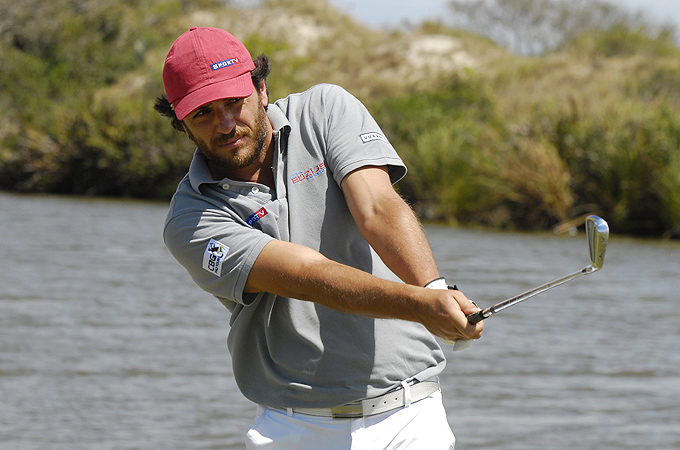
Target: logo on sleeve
{"points": [[214, 256], [369, 137]]}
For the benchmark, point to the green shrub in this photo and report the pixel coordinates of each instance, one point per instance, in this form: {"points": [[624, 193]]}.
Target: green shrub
{"points": [[624, 165], [519, 143], [465, 166], [622, 39]]}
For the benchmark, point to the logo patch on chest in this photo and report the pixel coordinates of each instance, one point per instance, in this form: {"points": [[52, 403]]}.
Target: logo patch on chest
{"points": [[259, 214], [308, 174]]}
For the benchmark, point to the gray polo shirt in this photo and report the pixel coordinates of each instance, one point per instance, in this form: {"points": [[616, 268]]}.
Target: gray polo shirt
{"points": [[287, 352]]}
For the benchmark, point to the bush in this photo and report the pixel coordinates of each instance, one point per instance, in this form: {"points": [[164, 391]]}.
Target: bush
{"points": [[624, 165], [623, 40], [465, 166], [493, 147]]}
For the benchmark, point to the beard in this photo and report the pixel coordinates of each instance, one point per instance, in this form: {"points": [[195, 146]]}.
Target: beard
{"points": [[222, 162]]}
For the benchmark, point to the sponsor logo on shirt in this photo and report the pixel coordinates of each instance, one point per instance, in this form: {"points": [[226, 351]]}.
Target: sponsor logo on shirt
{"points": [[214, 255], [369, 137], [260, 213], [223, 64], [308, 174]]}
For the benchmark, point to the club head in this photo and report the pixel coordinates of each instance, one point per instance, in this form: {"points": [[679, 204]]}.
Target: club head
{"points": [[597, 233]]}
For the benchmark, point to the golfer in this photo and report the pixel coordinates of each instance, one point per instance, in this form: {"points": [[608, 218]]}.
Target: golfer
{"points": [[289, 218]]}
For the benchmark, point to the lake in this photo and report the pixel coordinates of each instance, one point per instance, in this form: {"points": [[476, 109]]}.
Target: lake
{"points": [[106, 343]]}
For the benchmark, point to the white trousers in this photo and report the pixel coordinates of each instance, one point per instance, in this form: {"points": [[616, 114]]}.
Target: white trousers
{"points": [[421, 425]]}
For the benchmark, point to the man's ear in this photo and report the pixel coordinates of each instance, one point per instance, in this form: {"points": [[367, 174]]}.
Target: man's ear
{"points": [[187, 132], [264, 93]]}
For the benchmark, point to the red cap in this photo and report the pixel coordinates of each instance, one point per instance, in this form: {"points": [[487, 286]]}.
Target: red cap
{"points": [[204, 65]]}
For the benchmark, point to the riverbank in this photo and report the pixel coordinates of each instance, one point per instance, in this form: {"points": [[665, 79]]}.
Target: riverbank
{"points": [[490, 138]]}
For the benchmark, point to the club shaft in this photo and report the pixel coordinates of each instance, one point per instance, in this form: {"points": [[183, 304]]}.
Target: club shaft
{"points": [[597, 235], [481, 315]]}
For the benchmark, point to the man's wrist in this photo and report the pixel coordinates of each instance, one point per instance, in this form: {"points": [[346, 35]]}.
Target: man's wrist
{"points": [[439, 283]]}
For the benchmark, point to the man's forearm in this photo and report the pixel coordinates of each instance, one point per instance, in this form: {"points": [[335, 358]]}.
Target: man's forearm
{"points": [[295, 271], [389, 225], [397, 236], [308, 275]]}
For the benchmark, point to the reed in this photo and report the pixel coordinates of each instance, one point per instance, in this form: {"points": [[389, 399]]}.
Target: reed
{"points": [[489, 137]]}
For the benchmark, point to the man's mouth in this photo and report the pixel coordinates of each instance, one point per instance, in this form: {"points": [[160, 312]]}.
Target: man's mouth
{"points": [[229, 141]]}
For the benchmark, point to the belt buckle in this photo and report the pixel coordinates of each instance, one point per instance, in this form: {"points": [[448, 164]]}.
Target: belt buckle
{"points": [[348, 411]]}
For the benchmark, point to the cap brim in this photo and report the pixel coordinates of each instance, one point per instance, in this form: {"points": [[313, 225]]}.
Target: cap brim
{"points": [[239, 87]]}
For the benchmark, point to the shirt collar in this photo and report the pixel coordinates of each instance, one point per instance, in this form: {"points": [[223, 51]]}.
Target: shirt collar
{"points": [[199, 173], [278, 118]]}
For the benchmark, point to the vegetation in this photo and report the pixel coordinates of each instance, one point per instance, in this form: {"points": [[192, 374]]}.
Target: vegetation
{"points": [[490, 137], [535, 26]]}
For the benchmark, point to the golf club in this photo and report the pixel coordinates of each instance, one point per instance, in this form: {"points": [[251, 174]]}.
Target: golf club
{"points": [[597, 235]]}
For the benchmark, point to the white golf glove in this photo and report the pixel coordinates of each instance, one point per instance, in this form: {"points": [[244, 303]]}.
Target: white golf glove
{"points": [[460, 344]]}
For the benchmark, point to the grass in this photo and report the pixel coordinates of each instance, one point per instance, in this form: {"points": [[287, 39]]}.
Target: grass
{"points": [[490, 137]]}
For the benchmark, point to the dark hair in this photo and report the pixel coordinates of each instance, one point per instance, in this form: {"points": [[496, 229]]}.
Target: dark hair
{"points": [[262, 69]]}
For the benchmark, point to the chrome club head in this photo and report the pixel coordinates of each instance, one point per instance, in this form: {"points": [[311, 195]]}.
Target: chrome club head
{"points": [[597, 233]]}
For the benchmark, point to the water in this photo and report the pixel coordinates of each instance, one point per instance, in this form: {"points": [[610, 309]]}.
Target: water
{"points": [[105, 343]]}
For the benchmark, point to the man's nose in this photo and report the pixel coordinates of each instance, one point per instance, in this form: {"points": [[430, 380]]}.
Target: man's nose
{"points": [[225, 120]]}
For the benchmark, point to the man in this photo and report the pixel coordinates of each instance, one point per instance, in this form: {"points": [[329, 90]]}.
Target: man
{"points": [[288, 216]]}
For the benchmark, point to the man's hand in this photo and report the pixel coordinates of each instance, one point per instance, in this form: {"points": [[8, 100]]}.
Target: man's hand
{"points": [[448, 317]]}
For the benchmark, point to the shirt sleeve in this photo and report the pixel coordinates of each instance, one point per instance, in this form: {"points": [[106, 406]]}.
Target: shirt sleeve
{"points": [[353, 137], [216, 249]]}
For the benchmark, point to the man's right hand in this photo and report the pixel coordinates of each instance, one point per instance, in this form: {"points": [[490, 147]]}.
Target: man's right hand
{"points": [[447, 317]]}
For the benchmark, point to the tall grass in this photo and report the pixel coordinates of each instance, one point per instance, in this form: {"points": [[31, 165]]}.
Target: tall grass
{"points": [[516, 142], [468, 167], [593, 128]]}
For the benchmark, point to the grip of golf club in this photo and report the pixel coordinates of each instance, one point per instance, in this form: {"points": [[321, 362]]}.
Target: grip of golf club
{"points": [[475, 317]]}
